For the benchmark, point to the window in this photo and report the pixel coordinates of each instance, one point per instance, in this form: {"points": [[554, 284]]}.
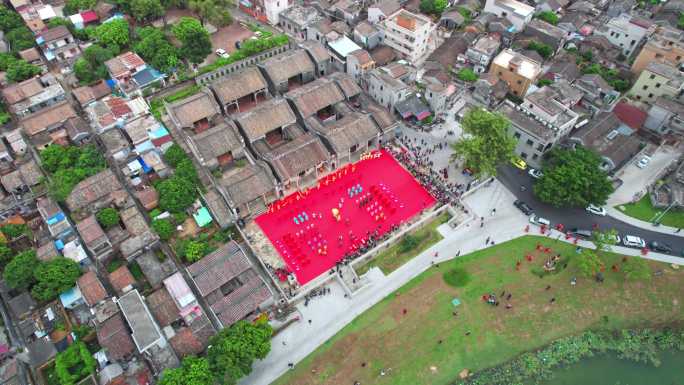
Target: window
{"points": [[519, 82], [523, 155], [531, 105], [535, 156], [530, 142], [657, 85], [500, 73], [516, 135], [638, 97], [678, 58], [650, 95], [644, 88], [540, 147], [652, 77], [632, 42]]}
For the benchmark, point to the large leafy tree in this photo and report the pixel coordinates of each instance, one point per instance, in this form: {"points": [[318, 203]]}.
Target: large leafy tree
{"points": [[573, 178], [233, 350], [636, 268], [108, 217], [435, 7], [194, 39], [548, 16], [155, 49], [146, 10], [588, 263], [21, 70], [487, 142], [90, 66], [19, 271], [73, 6], [9, 19], [20, 38], [176, 194], [604, 240], [213, 11], [54, 277], [193, 371], [6, 254], [113, 34]]}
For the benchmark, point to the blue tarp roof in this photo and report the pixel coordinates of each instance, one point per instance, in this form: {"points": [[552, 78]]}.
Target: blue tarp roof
{"points": [[56, 218], [147, 76], [70, 296], [202, 217]]}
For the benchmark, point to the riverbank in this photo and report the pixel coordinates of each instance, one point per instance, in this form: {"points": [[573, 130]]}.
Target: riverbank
{"points": [[417, 334]]}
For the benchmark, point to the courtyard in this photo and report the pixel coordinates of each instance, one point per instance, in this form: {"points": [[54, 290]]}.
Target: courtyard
{"points": [[417, 336]]}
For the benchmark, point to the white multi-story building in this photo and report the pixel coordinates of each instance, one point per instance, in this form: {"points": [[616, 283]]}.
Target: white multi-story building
{"points": [[409, 34], [519, 14], [625, 31], [273, 9]]}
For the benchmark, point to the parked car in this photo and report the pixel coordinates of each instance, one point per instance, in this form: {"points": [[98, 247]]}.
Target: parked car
{"points": [[596, 210], [536, 174], [580, 233], [537, 220], [519, 163], [222, 53], [633, 241], [643, 162], [660, 247], [524, 207]]}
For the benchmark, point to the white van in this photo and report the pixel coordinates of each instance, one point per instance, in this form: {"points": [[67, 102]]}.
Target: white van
{"points": [[539, 220], [633, 241]]}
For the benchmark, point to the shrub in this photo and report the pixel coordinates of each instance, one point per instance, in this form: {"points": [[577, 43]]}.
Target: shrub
{"points": [[456, 277], [408, 243], [18, 273], [195, 250], [12, 231], [108, 217], [467, 75], [74, 363]]}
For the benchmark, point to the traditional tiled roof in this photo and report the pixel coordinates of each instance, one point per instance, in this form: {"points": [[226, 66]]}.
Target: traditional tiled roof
{"points": [[194, 108], [248, 183], [300, 154], [239, 84], [91, 288], [93, 189], [47, 117], [113, 336], [162, 307], [265, 117], [352, 130], [17, 92], [91, 232], [286, 65], [347, 83], [315, 96], [217, 141], [241, 301], [121, 278], [219, 267]]}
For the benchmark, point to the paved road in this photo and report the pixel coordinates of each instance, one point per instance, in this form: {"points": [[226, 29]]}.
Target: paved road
{"points": [[513, 178]]}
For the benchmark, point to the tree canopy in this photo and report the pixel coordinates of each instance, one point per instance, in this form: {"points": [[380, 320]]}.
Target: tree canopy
{"points": [[18, 273], [434, 7], [193, 371], [543, 50], [108, 217], [73, 6], [90, 66], [467, 75], [74, 363], [549, 17], [573, 178], [20, 70], [233, 349], [155, 49], [214, 11], [68, 166], [487, 142], [196, 45], [588, 263], [54, 277], [164, 228], [146, 10], [20, 38], [113, 35]]}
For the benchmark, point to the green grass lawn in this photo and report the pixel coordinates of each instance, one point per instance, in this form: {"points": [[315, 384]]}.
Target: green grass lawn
{"points": [[645, 211], [392, 258], [407, 346]]}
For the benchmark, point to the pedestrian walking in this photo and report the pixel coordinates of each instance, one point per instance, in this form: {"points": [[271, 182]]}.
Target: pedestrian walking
{"points": [[290, 364], [678, 230]]}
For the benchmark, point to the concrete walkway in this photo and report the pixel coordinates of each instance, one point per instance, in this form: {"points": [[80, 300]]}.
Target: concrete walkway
{"points": [[622, 217], [325, 316]]}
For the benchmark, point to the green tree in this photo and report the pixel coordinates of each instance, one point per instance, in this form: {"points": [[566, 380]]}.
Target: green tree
{"points": [[604, 240], [113, 35], [487, 143], [75, 363], [108, 217], [195, 250], [164, 228], [213, 11], [194, 39], [680, 21], [20, 38], [174, 155], [549, 17], [193, 371], [6, 254], [636, 269], [21, 70], [74, 6], [232, 351], [9, 19], [176, 194], [54, 277], [146, 10], [573, 178], [434, 7], [18, 273], [588, 263], [542, 49], [467, 75], [156, 50], [5, 60], [90, 66]]}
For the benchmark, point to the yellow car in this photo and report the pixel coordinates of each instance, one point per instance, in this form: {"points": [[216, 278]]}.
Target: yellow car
{"points": [[519, 163]]}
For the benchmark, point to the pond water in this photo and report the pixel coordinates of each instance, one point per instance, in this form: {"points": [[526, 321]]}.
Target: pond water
{"points": [[609, 370]]}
